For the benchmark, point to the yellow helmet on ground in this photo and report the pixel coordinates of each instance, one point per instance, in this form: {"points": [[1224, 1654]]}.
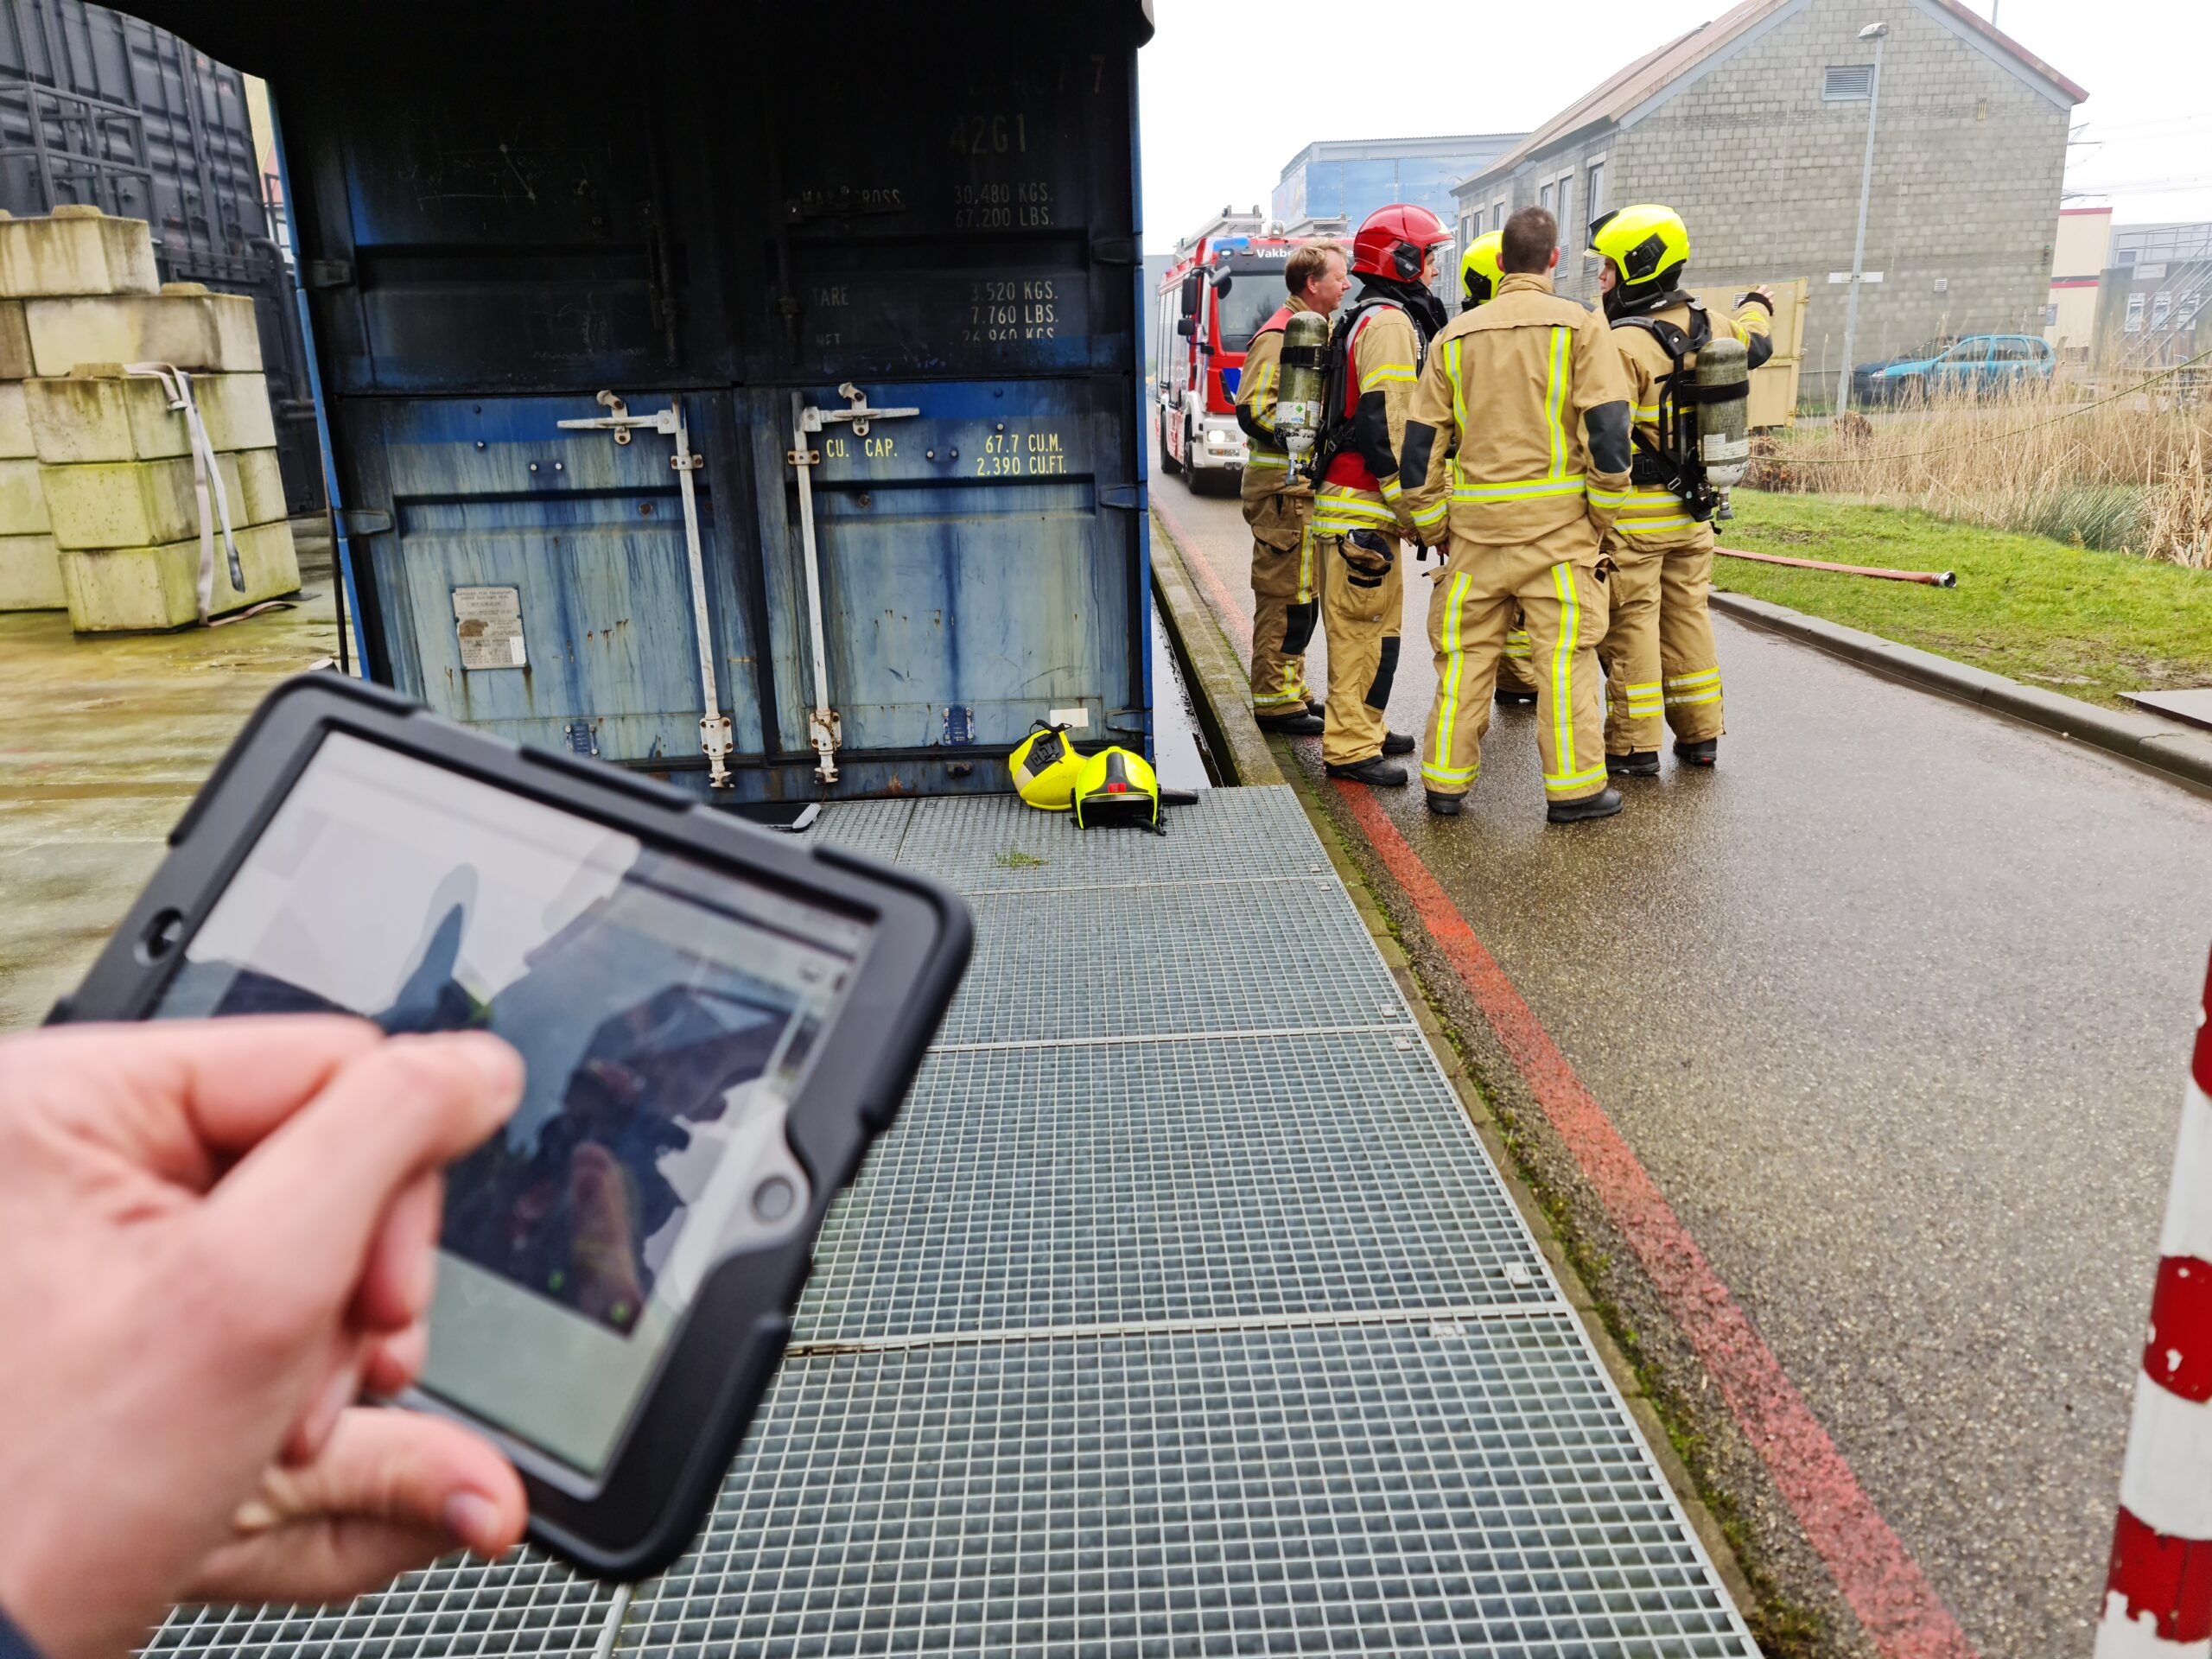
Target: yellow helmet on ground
{"points": [[1648, 245], [1045, 765], [1480, 271], [1117, 786]]}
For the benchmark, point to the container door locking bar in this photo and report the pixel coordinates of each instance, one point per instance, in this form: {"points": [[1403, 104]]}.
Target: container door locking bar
{"points": [[822, 724], [714, 725]]}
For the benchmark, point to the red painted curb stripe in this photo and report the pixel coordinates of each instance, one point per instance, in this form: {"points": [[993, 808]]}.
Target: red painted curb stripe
{"points": [[2201, 1066], [1872, 1568], [2178, 1355], [2169, 1579], [1224, 602]]}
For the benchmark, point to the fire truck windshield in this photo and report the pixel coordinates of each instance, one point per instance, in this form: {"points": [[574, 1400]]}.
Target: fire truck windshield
{"points": [[1254, 294]]}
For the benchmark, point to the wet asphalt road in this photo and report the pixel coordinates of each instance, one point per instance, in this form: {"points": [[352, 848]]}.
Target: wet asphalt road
{"points": [[1895, 1007]]}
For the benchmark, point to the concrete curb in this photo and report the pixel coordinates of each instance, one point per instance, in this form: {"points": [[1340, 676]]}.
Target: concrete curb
{"points": [[1210, 668], [2177, 752]]}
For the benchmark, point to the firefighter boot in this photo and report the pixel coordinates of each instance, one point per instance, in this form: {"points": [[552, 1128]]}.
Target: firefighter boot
{"points": [[1298, 723], [1702, 752], [1397, 743], [1638, 763], [1375, 772], [1603, 804], [1445, 806]]}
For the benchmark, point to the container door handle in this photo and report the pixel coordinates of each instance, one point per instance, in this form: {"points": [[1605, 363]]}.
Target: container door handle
{"points": [[822, 725], [714, 725]]}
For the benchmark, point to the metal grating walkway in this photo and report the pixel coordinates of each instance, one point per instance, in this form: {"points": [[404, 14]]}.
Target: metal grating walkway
{"points": [[1182, 1312]]}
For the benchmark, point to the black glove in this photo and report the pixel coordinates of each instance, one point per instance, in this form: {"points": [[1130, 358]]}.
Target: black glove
{"points": [[1371, 555]]}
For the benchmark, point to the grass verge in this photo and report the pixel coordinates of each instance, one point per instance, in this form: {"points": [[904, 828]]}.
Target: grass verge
{"points": [[2085, 623]]}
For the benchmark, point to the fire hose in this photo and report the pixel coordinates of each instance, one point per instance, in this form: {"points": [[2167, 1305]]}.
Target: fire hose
{"points": [[1930, 578]]}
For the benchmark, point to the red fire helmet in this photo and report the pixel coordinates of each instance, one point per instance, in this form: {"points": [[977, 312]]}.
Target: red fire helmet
{"points": [[1393, 241]]}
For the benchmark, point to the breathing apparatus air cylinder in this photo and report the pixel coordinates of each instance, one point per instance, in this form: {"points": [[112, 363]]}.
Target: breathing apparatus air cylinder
{"points": [[1300, 383], [1723, 380]]}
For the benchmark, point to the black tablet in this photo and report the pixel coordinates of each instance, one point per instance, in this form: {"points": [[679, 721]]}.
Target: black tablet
{"points": [[716, 1022]]}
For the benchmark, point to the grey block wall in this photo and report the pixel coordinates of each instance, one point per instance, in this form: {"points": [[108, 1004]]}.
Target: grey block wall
{"points": [[1968, 160]]}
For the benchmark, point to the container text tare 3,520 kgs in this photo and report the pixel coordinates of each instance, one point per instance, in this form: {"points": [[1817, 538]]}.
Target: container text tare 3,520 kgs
{"points": [[865, 496]]}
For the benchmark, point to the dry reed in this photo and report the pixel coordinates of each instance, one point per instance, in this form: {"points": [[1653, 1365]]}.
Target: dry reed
{"points": [[2133, 474]]}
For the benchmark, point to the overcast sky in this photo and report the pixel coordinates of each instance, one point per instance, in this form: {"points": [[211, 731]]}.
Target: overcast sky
{"points": [[1232, 89]]}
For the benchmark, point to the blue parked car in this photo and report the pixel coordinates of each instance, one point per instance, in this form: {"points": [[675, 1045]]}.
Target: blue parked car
{"points": [[1978, 363]]}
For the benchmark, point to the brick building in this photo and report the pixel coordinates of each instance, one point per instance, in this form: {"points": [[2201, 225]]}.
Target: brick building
{"points": [[1754, 127]]}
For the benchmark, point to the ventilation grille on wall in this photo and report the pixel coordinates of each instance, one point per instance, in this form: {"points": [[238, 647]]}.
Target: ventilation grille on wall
{"points": [[1847, 81]]}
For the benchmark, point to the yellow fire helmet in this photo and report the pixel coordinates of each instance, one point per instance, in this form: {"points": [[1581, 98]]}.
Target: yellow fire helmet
{"points": [[1117, 787], [1649, 244], [1045, 765], [1479, 271]]}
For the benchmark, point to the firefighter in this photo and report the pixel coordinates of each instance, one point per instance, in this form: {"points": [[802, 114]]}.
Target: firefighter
{"points": [[1658, 652], [1359, 513], [1517, 448], [1479, 275], [1279, 507]]}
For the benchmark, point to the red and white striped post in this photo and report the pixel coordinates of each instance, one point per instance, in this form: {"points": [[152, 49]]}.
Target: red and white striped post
{"points": [[2159, 1592]]}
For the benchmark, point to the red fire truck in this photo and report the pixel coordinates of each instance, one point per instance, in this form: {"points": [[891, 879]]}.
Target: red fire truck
{"points": [[1226, 281]]}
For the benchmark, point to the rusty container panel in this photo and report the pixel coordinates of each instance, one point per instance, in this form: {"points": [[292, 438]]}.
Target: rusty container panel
{"points": [[754, 211]]}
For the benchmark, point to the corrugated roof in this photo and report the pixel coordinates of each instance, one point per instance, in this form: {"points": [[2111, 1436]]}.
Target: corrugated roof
{"points": [[1657, 69]]}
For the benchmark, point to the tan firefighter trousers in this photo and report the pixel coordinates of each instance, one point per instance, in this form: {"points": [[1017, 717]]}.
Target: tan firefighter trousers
{"points": [[1285, 607], [1469, 615], [1361, 623]]}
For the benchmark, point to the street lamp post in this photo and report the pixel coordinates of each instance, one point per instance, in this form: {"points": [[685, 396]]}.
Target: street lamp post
{"points": [[1873, 32]]}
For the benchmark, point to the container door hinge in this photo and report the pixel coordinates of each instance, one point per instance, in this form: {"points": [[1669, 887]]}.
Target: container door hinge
{"points": [[1125, 498], [714, 739], [823, 728], [329, 273]]}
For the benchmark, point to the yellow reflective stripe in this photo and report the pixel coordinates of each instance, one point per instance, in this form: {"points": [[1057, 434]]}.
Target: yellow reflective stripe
{"points": [[1605, 498], [1555, 399], [1431, 515], [1386, 372], [1458, 401], [1392, 487], [1527, 489], [1267, 458], [1642, 688], [1698, 678], [1648, 413], [1576, 780], [1647, 526], [1570, 625], [1447, 690], [1305, 566], [1712, 696], [1362, 507]]}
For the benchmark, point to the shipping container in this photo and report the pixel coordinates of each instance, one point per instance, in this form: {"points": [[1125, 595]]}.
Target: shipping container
{"points": [[101, 108], [883, 264]]}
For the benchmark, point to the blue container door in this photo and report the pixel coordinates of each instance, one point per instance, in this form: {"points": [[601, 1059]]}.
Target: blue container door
{"points": [[490, 497], [974, 559]]}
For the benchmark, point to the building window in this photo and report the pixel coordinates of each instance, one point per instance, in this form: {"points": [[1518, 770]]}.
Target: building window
{"points": [[1566, 209], [1475, 225], [2127, 256], [1848, 83], [2050, 315], [2135, 313], [1544, 198], [2160, 307], [1594, 190]]}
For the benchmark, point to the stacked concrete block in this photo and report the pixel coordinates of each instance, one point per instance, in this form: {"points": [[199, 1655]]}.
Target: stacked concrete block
{"points": [[116, 465], [100, 509]]}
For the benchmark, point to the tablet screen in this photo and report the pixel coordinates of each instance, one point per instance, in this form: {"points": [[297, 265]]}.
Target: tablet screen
{"points": [[665, 1013]]}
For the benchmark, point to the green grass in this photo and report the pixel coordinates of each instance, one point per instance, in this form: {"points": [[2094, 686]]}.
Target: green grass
{"points": [[2087, 623], [1018, 859]]}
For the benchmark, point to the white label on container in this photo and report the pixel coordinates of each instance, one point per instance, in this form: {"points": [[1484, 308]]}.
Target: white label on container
{"points": [[488, 623], [1075, 719]]}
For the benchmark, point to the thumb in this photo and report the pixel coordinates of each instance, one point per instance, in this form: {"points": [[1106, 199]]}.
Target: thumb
{"points": [[308, 1200], [390, 1490]]}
